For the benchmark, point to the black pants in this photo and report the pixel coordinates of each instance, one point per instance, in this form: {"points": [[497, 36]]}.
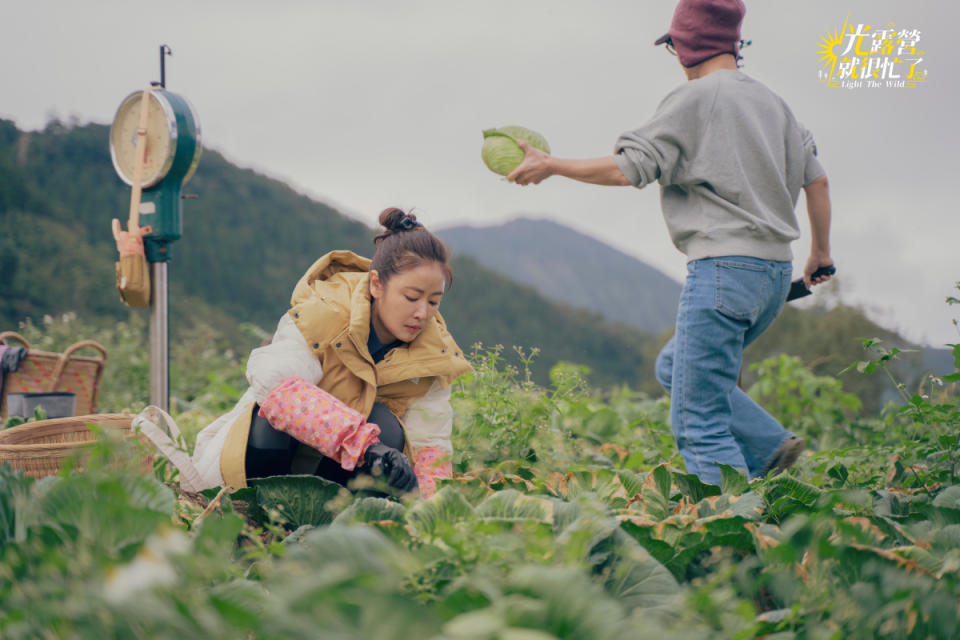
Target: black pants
{"points": [[270, 452]]}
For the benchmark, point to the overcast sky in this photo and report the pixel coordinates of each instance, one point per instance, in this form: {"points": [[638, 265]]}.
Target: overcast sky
{"points": [[369, 104]]}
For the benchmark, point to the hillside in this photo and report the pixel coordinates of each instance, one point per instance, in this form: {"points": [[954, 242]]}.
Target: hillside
{"points": [[563, 264], [246, 241], [248, 238]]}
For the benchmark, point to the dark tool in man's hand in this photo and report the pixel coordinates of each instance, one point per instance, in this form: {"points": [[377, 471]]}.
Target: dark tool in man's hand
{"points": [[798, 289], [393, 464]]}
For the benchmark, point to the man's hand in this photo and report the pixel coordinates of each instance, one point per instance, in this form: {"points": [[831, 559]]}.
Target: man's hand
{"points": [[814, 262], [537, 166], [381, 459], [534, 168]]}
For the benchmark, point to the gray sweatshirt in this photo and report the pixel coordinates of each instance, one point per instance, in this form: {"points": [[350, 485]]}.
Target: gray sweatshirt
{"points": [[731, 159]]}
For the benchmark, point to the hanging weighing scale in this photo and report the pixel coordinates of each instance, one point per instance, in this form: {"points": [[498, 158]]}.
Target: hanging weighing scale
{"points": [[155, 147]]}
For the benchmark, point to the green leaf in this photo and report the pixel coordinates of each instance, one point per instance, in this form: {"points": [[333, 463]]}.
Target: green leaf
{"points": [[655, 505], [439, 512], [602, 481], [662, 480], [483, 624], [948, 498], [146, 492], [474, 489], [785, 506], [516, 633], [247, 499], [839, 473], [371, 510], [574, 607], [693, 488], [357, 550], [644, 535], [893, 505], [727, 532], [107, 512], [564, 514], [510, 504], [633, 482], [296, 536], [219, 533], [655, 493], [924, 558], [787, 486], [748, 505], [297, 499], [636, 579], [240, 602], [947, 538], [13, 421], [732, 480], [14, 497], [589, 537], [387, 516]]}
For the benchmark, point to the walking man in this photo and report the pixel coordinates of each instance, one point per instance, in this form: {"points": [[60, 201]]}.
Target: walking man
{"points": [[731, 160]]}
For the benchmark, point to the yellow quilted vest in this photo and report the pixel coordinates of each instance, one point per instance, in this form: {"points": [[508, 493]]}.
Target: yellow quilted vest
{"points": [[331, 307]]}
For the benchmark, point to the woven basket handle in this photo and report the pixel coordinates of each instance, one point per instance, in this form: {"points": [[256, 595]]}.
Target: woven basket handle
{"points": [[65, 358], [13, 334]]}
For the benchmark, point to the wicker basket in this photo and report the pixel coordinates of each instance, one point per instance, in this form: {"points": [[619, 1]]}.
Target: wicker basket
{"points": [[44, 371], [39, 448]]}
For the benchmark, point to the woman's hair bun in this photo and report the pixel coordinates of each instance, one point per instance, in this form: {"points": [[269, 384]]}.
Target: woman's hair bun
{"points": [[398, 250], [396, 220], [393, 219]]}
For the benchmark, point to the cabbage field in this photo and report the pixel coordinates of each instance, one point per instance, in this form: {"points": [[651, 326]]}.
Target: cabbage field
{"points": [[569, 517]]}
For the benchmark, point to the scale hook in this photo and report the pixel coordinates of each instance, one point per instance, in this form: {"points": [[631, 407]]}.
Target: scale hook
{"points": [[164, 49]]}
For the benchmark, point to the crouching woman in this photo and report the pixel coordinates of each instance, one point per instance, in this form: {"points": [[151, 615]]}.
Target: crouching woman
{"points": [[357, 377]]}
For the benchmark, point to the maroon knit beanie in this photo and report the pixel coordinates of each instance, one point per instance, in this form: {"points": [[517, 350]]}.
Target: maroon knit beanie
{"points": [[702, 29]]}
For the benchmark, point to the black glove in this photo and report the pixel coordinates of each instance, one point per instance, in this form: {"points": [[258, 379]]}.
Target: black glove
{"points": [[391, 462]]}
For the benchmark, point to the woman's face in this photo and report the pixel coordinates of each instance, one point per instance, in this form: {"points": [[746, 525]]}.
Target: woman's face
{"points": [[403, 307]]}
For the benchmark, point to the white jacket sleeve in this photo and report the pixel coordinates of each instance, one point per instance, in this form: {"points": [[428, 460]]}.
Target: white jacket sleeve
{"points": [[287, 356], [429, 420]]}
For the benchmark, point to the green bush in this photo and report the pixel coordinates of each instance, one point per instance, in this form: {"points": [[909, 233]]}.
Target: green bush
{"points": [[569, 516]]}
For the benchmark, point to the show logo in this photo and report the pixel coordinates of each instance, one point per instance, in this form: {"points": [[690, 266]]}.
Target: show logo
{"points": [[864, 57]]}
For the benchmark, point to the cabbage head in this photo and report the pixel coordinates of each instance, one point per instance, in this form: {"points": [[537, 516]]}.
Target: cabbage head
{"points": [[502, 154]]}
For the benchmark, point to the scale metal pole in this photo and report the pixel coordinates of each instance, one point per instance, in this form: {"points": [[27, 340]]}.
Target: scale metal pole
{"points": [[159, 338], [160, 312], [159, 204]]}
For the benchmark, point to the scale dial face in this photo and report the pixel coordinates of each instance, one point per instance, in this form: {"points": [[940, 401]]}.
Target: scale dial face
{"points": [[161, 138]]}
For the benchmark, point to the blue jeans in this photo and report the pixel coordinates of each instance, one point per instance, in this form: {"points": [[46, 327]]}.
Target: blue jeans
{"points": [[726, 304]]}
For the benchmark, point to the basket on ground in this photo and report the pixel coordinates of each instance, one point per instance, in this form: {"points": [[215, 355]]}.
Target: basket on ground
{"points": [[45, 371], [39, 448]]}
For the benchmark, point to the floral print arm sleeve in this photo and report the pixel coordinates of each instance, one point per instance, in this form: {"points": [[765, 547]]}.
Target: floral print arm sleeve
{"points": [[318, 419], [431, 464]]}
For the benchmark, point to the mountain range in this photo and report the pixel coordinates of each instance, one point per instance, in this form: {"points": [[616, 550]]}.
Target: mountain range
{"points": [[246, 241], [574, 268]]}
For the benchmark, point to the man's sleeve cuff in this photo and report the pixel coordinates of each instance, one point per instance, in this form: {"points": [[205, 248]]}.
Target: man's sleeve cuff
{"points": [[629, 169]]}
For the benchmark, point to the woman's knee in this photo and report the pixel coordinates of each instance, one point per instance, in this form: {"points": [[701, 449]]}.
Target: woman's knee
{"points": [[391, 432]]}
